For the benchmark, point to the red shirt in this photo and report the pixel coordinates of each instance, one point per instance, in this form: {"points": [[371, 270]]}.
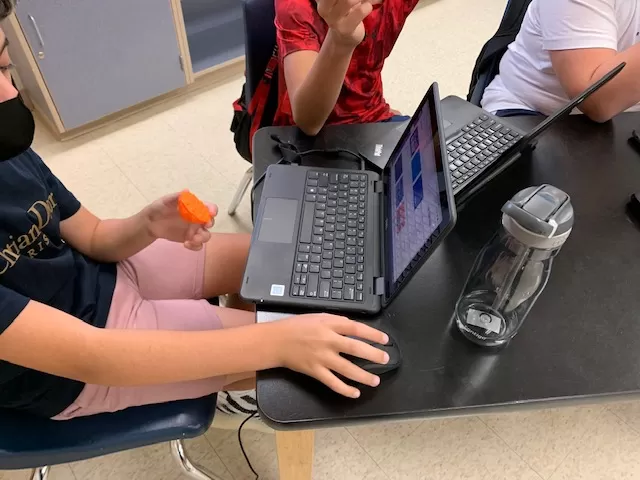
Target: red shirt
{"points": [[300, 27]]}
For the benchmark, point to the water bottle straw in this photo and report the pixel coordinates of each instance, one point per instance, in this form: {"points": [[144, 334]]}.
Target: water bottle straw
{"points": [[504, 292]]}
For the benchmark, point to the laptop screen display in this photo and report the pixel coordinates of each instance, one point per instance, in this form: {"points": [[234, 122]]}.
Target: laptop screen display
{"points": [[419, 196]]}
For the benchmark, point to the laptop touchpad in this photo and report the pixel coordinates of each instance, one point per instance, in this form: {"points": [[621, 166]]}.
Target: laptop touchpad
{"points": [[278, 220]]}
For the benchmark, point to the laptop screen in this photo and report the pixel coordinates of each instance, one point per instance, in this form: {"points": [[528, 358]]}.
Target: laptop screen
{"points": [[420, 207]]}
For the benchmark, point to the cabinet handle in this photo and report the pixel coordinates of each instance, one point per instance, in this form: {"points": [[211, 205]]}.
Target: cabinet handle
{"points": [[40, 39]]}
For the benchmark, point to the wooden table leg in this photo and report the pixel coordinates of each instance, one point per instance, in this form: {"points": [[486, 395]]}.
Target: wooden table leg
{"points": [[295, 454]]}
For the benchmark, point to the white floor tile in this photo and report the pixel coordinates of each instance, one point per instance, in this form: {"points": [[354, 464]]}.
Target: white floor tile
{"points": [[628, 412], [260, 447], [15, 475], [339, 455], [544, 438], [454, 449], [90, 174], [380, 441], [59, 472], [203, 455], [609, 451], [62, 472]]}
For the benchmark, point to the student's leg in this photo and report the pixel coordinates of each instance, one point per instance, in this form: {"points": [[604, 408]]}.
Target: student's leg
{"points": [[162, 287], [167, 270], [225, 261], [241, 384]]}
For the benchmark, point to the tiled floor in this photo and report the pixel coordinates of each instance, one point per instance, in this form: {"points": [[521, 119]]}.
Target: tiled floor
{"points": [[187, 143]]}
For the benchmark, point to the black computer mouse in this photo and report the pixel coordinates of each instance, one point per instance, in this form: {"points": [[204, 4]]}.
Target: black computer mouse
{"points": [[395, 358]]}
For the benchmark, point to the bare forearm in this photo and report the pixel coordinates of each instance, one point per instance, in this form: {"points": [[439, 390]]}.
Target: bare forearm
{"points": [[316, 98], [67, 347], [624, 91], [620, 93], [114, 240], [154, 357]]}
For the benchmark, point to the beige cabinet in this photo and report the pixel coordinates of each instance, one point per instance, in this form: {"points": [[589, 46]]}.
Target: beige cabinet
{"points": [[82, 63]]}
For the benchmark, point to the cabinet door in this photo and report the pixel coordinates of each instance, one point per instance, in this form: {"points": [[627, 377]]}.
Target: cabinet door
{"points": [[100, 56]]}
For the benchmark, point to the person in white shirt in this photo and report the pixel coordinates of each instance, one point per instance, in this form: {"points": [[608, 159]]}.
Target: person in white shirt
{"points": [[563, 47]]}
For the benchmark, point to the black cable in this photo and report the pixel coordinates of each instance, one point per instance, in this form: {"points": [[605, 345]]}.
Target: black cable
{"points": [[337, 151], [246, 457], [292, 156], [260, 179], [289, 149]]}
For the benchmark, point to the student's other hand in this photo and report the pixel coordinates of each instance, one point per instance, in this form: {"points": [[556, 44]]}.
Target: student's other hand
{"points": [[312, 344], [344, 18], [165, 222]]}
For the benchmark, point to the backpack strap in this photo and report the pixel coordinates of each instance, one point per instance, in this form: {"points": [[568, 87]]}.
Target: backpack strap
{"points": [[260, 96], [494, 49]]}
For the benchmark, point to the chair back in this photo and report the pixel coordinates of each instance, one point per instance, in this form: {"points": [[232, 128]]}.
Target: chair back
{"points": [[260, 40], [488, 62]]}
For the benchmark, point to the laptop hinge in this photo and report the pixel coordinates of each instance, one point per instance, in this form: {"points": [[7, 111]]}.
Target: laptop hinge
{"points": [[378, 186], [378, 286]]}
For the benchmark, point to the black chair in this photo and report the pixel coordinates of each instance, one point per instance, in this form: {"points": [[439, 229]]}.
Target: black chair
{"points": [[259, 40], [488, 62], [36, 443]]}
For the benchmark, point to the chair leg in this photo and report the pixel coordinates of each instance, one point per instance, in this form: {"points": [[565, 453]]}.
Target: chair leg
{"points": [[242, 188], [41, 473], [180, 455]]}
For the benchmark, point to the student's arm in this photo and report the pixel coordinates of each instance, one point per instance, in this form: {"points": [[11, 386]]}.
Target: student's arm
{"points": [[582, 38], [579, 69], [48, 340], [110, 240], [117, 239], [315, 74], [114, 240], [314, 81]]}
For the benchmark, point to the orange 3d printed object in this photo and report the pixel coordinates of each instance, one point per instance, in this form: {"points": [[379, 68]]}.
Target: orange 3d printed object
{"points": [[192, 209]]}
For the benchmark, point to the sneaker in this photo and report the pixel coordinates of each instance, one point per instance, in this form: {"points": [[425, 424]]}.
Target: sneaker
{"points": [[238, 403]]}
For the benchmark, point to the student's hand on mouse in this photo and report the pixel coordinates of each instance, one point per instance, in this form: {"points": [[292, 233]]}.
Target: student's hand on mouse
{"points": [[165, 221], [312, 344], [345, 17]]}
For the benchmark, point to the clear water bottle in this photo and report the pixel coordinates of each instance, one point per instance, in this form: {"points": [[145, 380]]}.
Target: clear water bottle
{"points": [[513, 268]]}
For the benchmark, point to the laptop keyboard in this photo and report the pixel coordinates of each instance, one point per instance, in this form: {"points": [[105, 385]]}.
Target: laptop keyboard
{"points": [[481, 144], [331, 247]]}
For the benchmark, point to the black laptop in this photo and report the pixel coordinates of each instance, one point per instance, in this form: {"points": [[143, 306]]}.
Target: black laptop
{"points": [[479, 145], [349, 240]]}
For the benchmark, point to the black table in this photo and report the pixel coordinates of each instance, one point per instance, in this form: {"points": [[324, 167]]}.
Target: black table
{"points": [[581, 341]]}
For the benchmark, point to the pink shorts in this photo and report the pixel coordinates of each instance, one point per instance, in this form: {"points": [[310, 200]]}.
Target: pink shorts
{"points": [[160, 288]]}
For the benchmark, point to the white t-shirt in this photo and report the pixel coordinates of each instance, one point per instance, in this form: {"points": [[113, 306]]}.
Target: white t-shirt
{"points": [[527, 79]]}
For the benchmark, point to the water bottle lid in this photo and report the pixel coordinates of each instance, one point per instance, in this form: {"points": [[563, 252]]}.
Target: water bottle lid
{"points": [[540, 217]]}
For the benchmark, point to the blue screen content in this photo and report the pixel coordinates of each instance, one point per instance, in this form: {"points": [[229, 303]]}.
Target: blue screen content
{"points": [[416, 211]]}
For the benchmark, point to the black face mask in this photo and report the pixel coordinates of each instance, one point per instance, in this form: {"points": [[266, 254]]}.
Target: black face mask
{"points": [[17, 128]]}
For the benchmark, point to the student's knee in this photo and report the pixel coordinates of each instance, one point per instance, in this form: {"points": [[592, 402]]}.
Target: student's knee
{"points": [[240, 382]]}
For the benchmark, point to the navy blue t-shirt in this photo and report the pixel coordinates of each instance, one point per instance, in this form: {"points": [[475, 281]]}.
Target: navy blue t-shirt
{"points": [[36, 264]]}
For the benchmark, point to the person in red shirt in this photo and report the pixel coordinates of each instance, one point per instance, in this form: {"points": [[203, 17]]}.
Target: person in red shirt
{"points": [[331, 56]]}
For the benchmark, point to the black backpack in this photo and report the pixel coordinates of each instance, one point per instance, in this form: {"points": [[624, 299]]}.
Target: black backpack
{"points": [[260, 112], [488, 61]]}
